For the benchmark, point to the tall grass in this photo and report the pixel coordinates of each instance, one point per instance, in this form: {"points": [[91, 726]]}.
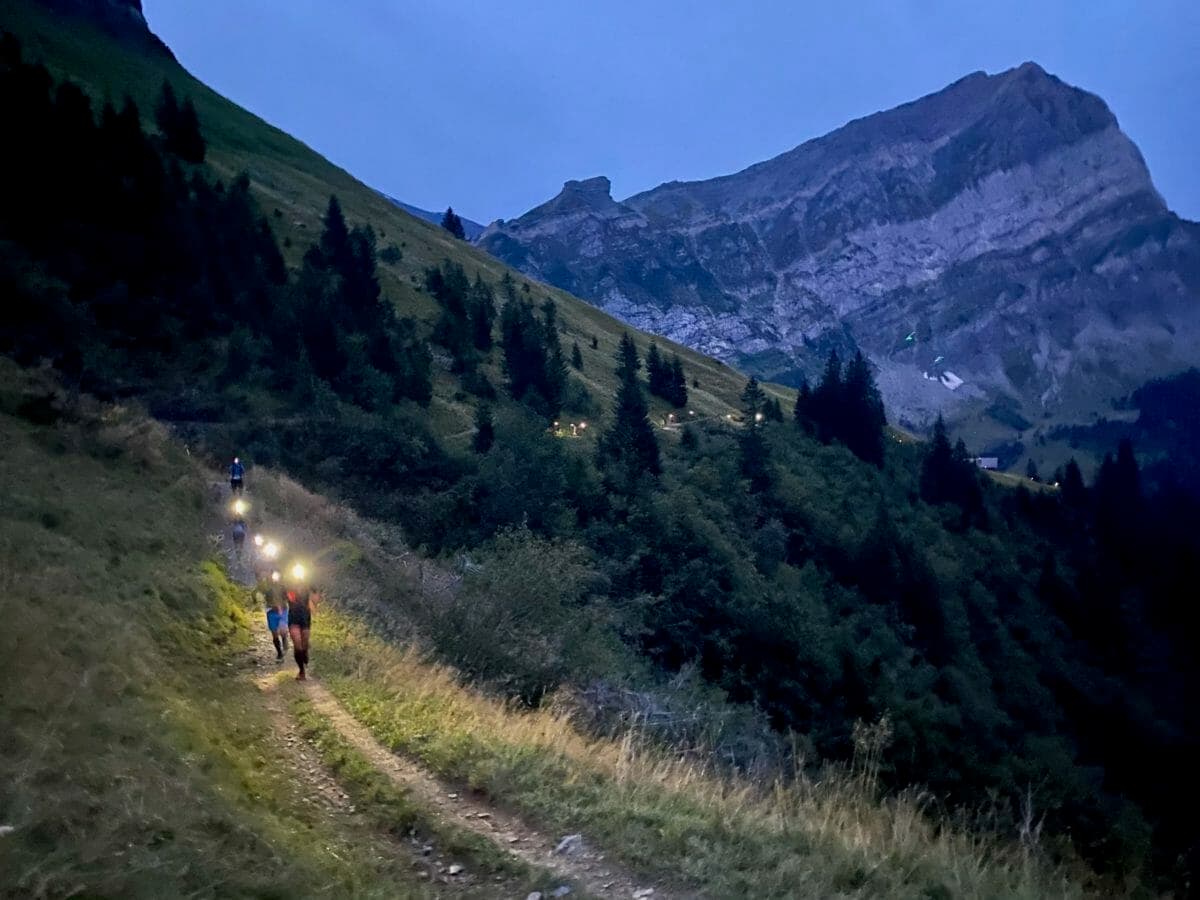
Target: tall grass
{"points": [[675, 817]]}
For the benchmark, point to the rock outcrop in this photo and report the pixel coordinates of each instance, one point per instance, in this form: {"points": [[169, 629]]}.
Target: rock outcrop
{"points": [[998, 245]]}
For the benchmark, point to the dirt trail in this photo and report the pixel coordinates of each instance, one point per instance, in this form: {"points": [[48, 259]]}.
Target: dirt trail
{"points": [[570, 857]]}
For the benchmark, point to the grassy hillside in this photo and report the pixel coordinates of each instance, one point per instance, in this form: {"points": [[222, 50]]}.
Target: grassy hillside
{"points": [[136, 757], [140, 760], [293, 184]]}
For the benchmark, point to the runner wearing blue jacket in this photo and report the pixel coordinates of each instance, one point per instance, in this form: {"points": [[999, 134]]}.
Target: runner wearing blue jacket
{"points": [[236, 473]]}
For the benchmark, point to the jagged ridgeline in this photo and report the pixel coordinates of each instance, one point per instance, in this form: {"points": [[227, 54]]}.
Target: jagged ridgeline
{"points": [[806, 571]]}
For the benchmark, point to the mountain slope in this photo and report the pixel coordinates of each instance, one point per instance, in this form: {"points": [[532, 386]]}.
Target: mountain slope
{"points": [[1002, 231], [293, 184]]}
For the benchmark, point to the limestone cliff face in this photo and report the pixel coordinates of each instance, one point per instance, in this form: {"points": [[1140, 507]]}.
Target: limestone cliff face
{"points": [[1003, 233]]}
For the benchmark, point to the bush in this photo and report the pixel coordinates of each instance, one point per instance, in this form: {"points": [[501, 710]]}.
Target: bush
{"points": [[522, 619]]}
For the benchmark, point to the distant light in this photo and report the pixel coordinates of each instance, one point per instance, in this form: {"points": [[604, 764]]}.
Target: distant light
{"points": [[758, 417], [271, 550], [555, 424], [583, 424], [275, 576], [691, 412], [239, 506], [298, 571], [258, 540]]}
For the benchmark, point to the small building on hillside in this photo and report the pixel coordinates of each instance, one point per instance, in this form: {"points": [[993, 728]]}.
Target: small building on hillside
{"points": [[987, 462]]}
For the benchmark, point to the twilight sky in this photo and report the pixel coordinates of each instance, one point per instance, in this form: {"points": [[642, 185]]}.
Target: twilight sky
{"points": [[491, 106]]}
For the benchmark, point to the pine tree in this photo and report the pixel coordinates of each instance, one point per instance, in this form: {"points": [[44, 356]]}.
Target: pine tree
{"points": [[1074, 491], [628, 363], [753, 400], [576, 357], [938, 468], [189, 141], [334, 243], [752, 445], [862, 418], [453, 224], [554, 382], [654, 370], [179, 126], [482, 314], [826, 405], [678, 383], [629, 448], [520, 339], [802, 409], [1119, 504], [485, 429], [456, 326]]}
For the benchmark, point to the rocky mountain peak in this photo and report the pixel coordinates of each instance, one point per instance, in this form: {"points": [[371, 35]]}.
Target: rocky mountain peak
{"points": [[585, 197], [597, 185], [996, 245]]}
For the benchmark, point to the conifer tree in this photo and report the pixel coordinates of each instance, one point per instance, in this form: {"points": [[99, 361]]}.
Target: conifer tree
{"points": [[679, 390], [654, 370], [334, 243], [189, 142], [485, 429], [1074, 491], [826, 399], [862, 420], [938, 468], [628, 363], [753, 400], [554, 382], [482, 314], [179, 126], [628, 448], [1119, 504], [520, 339], [802, 409], [576, 357], [751, 443], [453, 224]]}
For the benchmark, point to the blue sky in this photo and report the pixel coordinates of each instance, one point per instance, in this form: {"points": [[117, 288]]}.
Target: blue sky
{"points": [[490, 106]]}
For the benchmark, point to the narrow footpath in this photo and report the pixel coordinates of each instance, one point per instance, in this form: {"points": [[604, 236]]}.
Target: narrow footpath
{"points": [[569, 859]]}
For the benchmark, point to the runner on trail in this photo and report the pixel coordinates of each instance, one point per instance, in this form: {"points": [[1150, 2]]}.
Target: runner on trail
{"points": [[277, 616], [236, 473], [239, 535], [301, 601]]}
